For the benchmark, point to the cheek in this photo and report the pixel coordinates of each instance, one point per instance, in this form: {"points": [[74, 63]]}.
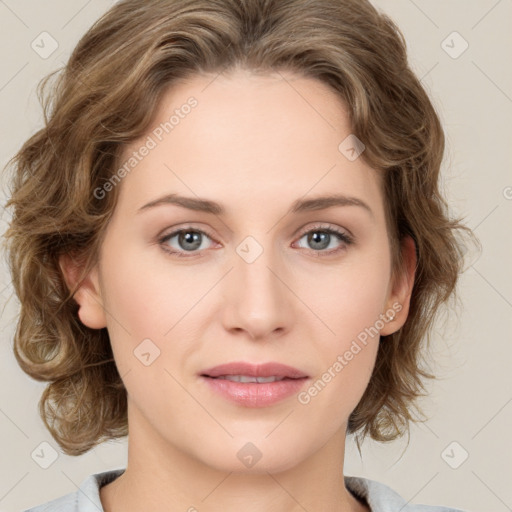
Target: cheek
{"points": [[351, 308], [353, 296], [350, 305], [145, 299], [148, 298], [131, 302]]}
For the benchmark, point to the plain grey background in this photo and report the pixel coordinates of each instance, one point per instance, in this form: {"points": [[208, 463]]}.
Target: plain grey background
{"points": [[462, 456]]}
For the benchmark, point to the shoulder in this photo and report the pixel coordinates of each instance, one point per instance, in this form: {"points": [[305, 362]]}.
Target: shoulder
{"points": [[382, 498], [84, 499]]}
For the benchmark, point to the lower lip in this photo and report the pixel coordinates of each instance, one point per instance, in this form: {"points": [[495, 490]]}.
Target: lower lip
{"points": [[253, 394]]}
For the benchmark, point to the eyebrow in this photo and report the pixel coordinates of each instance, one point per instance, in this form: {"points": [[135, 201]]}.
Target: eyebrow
{"points": [[298, 206]]}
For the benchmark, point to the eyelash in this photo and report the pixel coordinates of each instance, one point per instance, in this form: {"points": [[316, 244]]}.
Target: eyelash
{"points": [[343, 237]]}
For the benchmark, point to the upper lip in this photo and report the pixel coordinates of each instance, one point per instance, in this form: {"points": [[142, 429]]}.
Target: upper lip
{"points": [[254, 370]]}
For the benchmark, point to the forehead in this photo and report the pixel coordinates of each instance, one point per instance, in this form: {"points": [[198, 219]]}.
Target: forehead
{"points": [[243, 137]]}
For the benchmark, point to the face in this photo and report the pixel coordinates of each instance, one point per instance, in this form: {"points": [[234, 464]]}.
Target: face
{"points": [[252, 280]]}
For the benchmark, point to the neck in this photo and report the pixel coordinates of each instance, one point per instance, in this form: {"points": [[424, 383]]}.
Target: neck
{"points": [[160, 477]]}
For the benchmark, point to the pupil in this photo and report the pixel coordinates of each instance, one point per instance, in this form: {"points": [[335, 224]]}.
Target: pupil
{"points": [[318, 237], [190, 237]]}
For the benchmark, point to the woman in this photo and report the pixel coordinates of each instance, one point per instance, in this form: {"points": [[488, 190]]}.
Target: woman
{"points": [[229, 242]]}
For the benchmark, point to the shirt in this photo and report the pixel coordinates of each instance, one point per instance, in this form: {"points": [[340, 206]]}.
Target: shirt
{"points": [[380, 497]]}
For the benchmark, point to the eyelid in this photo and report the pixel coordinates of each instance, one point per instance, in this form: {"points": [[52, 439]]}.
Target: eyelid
{"points": [[300, 232], [169, 233], [344, 235], [327, 227]]}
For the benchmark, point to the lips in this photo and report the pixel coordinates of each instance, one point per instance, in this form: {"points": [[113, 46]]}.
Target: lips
{"points": [[272, 369], [250, 389]]}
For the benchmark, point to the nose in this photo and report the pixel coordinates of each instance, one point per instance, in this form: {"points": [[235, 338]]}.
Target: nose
{"points": [[258, 301]]}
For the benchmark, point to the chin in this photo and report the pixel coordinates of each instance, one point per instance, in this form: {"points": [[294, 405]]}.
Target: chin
{"points": [[249, 457]]}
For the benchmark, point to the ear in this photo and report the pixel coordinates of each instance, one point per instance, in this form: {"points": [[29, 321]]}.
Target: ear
{"points": [[399, 297], [88, 294]]}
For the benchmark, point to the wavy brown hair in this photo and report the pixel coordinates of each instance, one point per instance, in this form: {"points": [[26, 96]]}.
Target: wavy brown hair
{"points": [[105, 97]]}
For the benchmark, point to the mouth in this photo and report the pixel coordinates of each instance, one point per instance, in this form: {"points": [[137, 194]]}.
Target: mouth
{"points": [[252, 378], [254, 385], [240, 371]]}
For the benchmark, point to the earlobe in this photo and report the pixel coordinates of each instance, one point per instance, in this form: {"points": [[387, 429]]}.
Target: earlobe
{"points": [[400, 297], [88, 293]]}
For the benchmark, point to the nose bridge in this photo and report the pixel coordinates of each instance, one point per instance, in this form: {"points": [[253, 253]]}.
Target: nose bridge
{"points": [[257, 298]]}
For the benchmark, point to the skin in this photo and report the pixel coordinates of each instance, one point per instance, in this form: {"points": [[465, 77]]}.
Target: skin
{"points": [[255, 144]]}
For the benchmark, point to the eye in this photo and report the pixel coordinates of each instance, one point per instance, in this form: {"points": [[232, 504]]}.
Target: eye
{"points": [[190, 240], [187, 239], [320, 238]]}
